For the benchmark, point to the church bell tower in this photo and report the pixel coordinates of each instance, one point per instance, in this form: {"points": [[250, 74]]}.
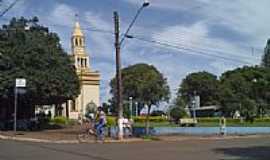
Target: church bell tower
{"points": [[78, 49], [89, 79]]}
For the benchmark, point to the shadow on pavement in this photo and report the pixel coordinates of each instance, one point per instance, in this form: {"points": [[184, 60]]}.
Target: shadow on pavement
{"points": [[249, 153]]}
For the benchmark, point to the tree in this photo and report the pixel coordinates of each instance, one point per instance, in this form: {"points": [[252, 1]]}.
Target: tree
{"points": [[266, 56], [203, 84], [145, 84], [243, 87], [28, 50], [176, 113]]}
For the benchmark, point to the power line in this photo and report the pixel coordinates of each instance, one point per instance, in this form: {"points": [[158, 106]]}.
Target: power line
{"points": [[192, 50], [203, 39], [9, 8], [206, 49], [169, 45]]}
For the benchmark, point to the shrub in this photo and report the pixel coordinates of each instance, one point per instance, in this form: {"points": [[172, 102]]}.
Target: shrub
{"points": [[217, 119], [111, 121], [155, 119], [157, 113], [262, 120], [178, 113], [60, 121]]}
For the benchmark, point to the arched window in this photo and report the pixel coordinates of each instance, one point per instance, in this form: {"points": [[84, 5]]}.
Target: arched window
{"points": [[82, 62], [76, 42], [80, 40], [85, 62], [78, 62]]}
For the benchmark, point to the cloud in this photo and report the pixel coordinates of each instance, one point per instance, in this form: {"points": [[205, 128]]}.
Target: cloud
{"points": [[195, 40], [219, 29]]}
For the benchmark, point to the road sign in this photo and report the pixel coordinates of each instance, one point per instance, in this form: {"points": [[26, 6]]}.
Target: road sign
{"points": [[20, 82], [21, 90]]}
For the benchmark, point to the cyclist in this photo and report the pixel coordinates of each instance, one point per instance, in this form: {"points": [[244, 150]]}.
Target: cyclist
{"points": [[101, 124]]}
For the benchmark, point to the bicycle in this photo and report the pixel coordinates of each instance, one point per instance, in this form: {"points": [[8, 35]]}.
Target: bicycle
{"points": [[87, 131]]}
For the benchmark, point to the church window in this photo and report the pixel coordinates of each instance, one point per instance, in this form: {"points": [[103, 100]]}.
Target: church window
{"points": [[76, 42], [80, 42], [85, 63], [82, 62], [78, 61]]}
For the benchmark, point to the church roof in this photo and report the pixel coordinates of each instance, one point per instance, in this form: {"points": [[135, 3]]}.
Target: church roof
{"points": [[77, 30]]}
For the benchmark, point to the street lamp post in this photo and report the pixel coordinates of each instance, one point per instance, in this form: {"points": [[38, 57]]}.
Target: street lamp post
{"points": [[194, 110], [130, 106], [136, 109], [118, 44]]}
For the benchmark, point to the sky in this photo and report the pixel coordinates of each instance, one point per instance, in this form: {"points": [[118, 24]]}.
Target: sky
{"points": [[176, 36]]}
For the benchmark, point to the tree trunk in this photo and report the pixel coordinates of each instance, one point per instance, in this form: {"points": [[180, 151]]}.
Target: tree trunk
{"points": [[67, 109], [147, 125], [55, 110]]}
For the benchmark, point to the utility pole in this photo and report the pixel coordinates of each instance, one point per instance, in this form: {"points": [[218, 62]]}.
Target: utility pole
{"points": [[119, 98], [119, 88]]}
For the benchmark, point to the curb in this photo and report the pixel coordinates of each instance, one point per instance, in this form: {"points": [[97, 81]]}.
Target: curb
{"points": [[135, 140], [67, 141], [38, 140], [176, 139]]}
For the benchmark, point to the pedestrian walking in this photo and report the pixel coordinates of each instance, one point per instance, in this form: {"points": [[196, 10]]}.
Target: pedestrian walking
{"points": [[222, 123]]}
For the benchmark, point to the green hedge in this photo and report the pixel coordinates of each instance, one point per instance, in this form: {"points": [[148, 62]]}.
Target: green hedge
{"points": [[112, 121], [216, 120], [156, 119], [262, 120], [230, 120], [62, 121]]}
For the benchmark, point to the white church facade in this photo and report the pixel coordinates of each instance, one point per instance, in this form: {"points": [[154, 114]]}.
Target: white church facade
{"points": [[89, 79], [89, 82]]}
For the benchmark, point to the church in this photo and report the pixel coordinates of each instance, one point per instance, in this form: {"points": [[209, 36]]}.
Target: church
{"points": [[89, 97]]}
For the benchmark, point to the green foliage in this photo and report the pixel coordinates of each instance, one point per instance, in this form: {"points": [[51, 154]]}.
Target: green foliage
{"points": [[111, 121], [245, 89], [177, 113], [266, 56], [249, 109], [62, 121], [144, 83], [156, 119], [37, 55], [203, 84], [216, 120]]}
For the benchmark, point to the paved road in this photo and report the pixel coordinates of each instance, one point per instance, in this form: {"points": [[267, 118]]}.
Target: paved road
{"points": [[234, 149]]}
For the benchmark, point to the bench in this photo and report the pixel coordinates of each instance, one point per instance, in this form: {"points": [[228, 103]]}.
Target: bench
{"points": [[185, 122]]}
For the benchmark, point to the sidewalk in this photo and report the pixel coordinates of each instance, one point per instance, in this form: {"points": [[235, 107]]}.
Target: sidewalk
{"points": [[68, 135]]}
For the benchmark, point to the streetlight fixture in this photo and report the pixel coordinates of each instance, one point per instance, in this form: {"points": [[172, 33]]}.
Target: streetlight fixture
{"points": [[145, 4], [118, 63]]}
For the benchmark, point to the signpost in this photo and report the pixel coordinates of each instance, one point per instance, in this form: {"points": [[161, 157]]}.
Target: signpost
{"points": [[20, 84]]}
